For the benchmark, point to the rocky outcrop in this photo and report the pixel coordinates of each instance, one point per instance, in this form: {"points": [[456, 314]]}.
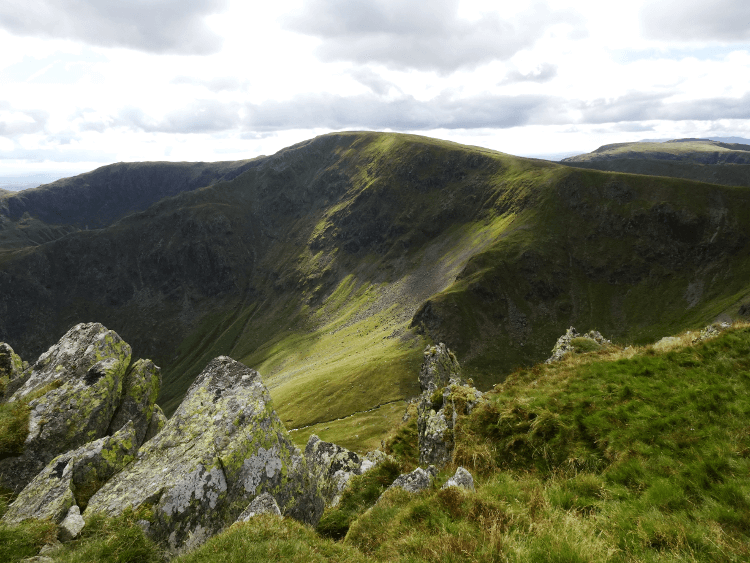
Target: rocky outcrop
{"points": [[72, 525], [73, 391], [139, 392], [72, 478], [11, 371], [461, 479], [445, 397], [418, 480], [223, 447], [158, 422], [333, 466], [262, 504], [571, 341]]}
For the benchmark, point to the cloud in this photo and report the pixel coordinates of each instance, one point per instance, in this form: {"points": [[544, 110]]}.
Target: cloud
{"points": [[202, 116], [696, 20], [543, 73], [372, 80], [218, 84], [155, 26], [648, 107], [14, 123], [332, 111], [410, 34]]}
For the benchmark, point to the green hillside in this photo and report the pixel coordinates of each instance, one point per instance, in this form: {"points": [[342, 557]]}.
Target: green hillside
{"points": [[637, 454], [331, 264]]}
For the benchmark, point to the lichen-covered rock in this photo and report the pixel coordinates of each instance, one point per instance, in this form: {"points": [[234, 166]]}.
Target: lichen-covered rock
{"points": [[73, 477], [438, 368], [440, 405], [73, 390], [262, 504], [333, 466], [71, 526], [223, 447], [417, 480], [158, 421], [461, 479], [139, 391], [565, 343], [11, 371]]}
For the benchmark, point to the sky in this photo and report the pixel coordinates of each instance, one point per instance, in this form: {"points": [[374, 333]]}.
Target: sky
{"points": [[84, 83]]}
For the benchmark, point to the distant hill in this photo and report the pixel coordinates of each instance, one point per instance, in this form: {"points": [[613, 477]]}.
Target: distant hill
{"points": [[695, 159], [329, 265]]}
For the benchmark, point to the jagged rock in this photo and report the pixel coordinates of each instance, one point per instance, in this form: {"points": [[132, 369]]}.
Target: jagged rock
{"points": [[712, 330], [11, 371], [158, 421], [417, 480], [223, 447], [74, 389], [71, 526], [333, 465], [461, 479], [565, 344], [441, 403], [438, 368], [139, 391], [72, 478], [262, 504]]}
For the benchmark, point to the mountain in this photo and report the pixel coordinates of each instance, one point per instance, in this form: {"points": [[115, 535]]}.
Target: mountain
{"points": [[329, 265], [703, 160]]}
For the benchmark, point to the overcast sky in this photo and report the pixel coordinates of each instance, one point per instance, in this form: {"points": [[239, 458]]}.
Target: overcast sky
{"points": [[91, 82]]}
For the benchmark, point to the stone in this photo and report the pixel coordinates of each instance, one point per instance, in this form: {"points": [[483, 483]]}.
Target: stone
{"points": [[445, 397], [158, 421], [418, 480], [564, 344], [224, 446], [71, 526], [462, 479], [139, 391], [11, 371], [438, 368], [332, 465], [72, 478], [262, 504], [72, 390]]}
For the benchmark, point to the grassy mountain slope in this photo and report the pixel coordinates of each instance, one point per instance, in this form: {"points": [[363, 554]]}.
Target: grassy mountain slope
{"points": [[99, 198], [328, 265], [694, 159], [620, 455]]}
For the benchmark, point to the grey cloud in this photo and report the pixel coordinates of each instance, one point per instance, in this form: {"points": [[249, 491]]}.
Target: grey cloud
{"points": [[696, 20], [30, 122], [157, 26], [203, 116], [406, 113], [410, 34], [544, 73], [647, 107], [372, 80]]}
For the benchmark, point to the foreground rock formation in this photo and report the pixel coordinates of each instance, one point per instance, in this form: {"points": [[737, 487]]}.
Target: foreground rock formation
{"points": [[74, 391], [223, 447], [445, 396]]}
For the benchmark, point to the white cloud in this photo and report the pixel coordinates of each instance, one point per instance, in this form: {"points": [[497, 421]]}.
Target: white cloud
{"points": [[157, 26], [697, 20]]}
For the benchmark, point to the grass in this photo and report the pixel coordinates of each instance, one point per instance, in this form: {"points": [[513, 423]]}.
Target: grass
{"points": [[638, 454]]}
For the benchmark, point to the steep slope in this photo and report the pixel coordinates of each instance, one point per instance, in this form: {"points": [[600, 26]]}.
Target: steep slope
{"points": [[97, 199], [327, 266], [694, 159]]}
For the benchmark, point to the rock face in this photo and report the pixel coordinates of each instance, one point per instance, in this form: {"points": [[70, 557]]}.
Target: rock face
{"points": [[73, 391], [262, 504], [72, 478], [139, 392], [417, 480], [445, 397], [223, 447], [565, 343], [462, 479], [11, 371], [333, 465]]}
